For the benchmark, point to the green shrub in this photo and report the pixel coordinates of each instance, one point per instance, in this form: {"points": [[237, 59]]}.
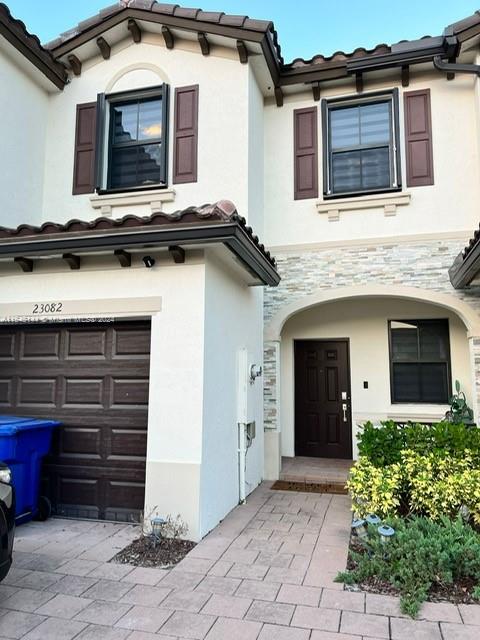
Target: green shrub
{"points": [[432, 485], [375, 489], [383, 445], [430, 470], [422, 553]]}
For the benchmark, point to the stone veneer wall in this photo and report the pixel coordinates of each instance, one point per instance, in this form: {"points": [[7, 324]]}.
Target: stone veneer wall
{"points": [[419, 264]]}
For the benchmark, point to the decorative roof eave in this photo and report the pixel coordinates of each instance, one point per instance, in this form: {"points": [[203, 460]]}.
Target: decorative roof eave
{"points": [[217, 23], [320, 68], [466, 265], [342, 65], [208, 224], [241, 28], [15, 32], [464, 29]]}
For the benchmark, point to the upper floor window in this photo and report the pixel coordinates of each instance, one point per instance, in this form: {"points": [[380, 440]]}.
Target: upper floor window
{"points": [[420, 361], [134, 132], [361, 145]]}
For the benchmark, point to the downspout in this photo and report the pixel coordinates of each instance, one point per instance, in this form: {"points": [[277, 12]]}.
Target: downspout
{"points": [[453, 67]]}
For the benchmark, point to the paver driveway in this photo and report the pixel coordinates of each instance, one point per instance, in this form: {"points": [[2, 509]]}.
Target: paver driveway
{"points": [[266, 572]]}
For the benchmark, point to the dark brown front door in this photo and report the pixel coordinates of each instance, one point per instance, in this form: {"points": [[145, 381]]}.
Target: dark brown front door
{"points": [[323, 426], [94, 379]]}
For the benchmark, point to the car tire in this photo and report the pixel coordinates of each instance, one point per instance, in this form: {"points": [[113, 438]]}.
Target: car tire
{"points": [[44, 509]]}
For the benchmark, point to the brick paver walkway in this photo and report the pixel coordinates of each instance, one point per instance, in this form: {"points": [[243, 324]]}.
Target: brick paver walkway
{"points": [[265, 573]]}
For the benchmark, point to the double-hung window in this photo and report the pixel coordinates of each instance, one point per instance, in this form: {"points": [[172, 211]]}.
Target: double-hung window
{"points": [[134, 141], [361, 145], [420, 361]]}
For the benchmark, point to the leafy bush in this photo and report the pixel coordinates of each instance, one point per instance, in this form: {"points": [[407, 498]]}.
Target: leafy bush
{"points": [[384, 445], [421, 554], [431, 485], [376, 489]]}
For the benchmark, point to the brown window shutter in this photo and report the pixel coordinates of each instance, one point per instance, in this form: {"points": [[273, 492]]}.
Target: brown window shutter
{"points": [[418, 138], [185, 135], [85, 136], [305, 143]]}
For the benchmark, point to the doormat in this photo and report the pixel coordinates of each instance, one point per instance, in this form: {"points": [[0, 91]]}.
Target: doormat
{"points": [[310, 487]]}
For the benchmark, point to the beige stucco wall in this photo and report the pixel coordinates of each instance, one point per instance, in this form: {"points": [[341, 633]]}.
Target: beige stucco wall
{"points": [[201, 315], [223, 122], [365, 323], [233, 321], [23, 109], [450, 205]]}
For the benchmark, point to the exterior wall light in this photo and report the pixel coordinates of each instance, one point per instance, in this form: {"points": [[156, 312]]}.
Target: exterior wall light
{"points": [[359, 528], [373, 519], [157, 524], [255, 372], [386, 533], [148, 261]]}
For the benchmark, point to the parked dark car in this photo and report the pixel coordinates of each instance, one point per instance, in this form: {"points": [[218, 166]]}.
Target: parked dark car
{"points": [[7, 519]]}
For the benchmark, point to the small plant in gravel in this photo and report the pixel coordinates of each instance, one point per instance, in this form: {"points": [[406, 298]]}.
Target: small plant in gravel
{"points": [[161, 544], [423, 553]]}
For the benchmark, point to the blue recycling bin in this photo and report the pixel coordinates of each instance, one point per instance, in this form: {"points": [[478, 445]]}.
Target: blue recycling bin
{"points": [[23, 444]]}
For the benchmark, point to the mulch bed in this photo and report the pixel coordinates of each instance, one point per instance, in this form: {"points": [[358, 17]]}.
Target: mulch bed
{"points": [[166, 553], [457, 593], [310, 487]]}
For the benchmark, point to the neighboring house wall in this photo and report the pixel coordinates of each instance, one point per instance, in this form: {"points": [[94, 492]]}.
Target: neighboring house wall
{"points": [[233, 314], [23, 105], [222, 134]]}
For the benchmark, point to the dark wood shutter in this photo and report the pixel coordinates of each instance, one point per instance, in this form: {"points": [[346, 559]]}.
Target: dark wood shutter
{"points": [[85, 138], [418, 138], [185, 147], [305, 143]]}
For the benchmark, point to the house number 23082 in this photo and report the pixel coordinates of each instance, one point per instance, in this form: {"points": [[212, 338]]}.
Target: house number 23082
{"points": [[47, 307]]}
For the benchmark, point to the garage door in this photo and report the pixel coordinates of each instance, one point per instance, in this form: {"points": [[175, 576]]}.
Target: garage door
{"points": [[94, 379]]}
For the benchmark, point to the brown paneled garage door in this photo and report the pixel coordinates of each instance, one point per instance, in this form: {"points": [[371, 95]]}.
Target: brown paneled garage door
{"points": [[94, 379]]}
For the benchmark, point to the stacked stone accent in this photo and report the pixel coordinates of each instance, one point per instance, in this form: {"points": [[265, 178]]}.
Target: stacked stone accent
{"points": [[419, 264]]}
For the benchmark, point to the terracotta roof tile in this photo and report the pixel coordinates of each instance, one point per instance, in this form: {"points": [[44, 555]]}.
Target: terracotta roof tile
{"points": [[17, 33], [222, 211], [214, 17], [339, 56]]}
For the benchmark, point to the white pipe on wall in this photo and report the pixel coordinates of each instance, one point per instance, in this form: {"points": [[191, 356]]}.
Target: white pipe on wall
{"points": [[242, 454]]}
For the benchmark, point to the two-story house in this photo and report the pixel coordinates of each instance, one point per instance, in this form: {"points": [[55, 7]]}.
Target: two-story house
{"points": [[141, 317]]}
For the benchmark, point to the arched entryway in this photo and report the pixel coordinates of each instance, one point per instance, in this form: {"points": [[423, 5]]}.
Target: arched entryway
{"points": [[331, 365]]}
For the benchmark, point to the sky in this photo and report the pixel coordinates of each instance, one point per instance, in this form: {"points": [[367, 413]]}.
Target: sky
{"points": [[305, 27]]}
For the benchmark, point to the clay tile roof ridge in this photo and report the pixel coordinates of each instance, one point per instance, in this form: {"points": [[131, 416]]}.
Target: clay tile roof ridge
{"points": [[339, 55], [31, 37], [221, 211], [176, 10]]}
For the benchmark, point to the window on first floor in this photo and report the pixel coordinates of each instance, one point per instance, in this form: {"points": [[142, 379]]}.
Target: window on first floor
{"points": [[135, 129], [420, 361], [361, 145]]}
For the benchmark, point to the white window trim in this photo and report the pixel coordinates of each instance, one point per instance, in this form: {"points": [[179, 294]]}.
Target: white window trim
{"points": [[154, 198], [388, 202]]}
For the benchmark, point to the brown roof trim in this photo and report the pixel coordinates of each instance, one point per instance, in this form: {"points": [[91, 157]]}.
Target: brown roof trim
{"points": [[173, 15], [209, 223], [466, 265], [29, 45], [319, 68], [465, 28]]}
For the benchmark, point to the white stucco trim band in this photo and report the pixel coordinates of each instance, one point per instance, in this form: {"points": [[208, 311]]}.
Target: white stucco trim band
{"points": [[61, 309], [154, 198], [387, 202], [415, 238]]}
